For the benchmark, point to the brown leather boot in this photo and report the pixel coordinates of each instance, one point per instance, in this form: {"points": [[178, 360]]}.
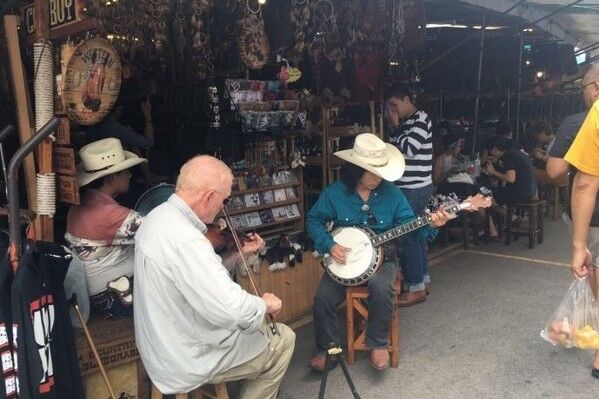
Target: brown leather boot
{"points": [[317, 362], [411, 298], [379, 358]]}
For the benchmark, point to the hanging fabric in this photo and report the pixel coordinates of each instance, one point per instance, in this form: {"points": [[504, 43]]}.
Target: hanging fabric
{"points": [[43, 340], [8, 378]]}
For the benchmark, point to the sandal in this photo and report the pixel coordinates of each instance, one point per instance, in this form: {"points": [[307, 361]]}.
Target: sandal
{"points": [[595, 373]]}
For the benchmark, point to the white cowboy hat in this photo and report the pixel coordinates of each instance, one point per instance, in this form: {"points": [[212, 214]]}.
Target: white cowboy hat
{"points": [[102, 158], [374, 155]]}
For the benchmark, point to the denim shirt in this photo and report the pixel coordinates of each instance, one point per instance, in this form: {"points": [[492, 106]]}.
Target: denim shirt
{"points": [[191, 320], [387, 204]]}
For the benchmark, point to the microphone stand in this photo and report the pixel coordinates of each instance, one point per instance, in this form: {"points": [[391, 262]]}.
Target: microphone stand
{"points": [[333, 356]]}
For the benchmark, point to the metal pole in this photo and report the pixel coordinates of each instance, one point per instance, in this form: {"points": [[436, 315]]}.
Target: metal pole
{"points": [[519, 95], [587, 48], [464, 40], [552, 13], [4, 134], [514, 6], [509, 102], [481, 54], [14, 225]]}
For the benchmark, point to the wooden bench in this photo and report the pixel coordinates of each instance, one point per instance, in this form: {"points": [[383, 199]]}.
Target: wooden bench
{"points": [[533, 229], [357, 315], [115, 342]]}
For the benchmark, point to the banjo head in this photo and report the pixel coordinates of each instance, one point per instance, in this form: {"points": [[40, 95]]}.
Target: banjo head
{"points": [[362, 260]]}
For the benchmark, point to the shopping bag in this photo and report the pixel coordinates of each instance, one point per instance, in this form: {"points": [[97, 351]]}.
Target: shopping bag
{"points": [[575, 323]]}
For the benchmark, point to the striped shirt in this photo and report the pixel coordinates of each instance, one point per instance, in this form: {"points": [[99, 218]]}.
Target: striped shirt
{"points": [[414, 138]]}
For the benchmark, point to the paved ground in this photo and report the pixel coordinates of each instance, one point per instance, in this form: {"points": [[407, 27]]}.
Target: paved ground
{"points": [[476, 336]]}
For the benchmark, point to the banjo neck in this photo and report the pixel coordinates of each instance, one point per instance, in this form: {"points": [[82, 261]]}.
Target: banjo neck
{"points": [[412, 225]]}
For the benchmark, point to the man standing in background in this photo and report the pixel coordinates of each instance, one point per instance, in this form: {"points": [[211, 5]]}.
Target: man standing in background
{"points": [[413, 137]]}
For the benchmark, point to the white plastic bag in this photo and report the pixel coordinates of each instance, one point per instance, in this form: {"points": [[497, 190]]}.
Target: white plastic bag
{"points": [[575, 323]]}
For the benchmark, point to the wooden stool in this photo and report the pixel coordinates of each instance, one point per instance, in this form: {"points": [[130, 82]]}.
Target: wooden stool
{"points": [[218, 391], [556, 199], [356, 333], [534, 210]]}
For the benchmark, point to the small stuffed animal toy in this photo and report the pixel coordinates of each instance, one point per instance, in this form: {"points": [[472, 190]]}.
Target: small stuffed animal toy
{"points": [[275, 256], [254, 261]]}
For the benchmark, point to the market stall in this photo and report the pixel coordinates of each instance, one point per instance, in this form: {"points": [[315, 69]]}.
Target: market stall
{"points": [[273, 89]]}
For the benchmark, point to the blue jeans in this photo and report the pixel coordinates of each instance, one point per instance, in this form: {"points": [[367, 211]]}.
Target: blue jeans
{"points": [[380, 304], [414, 248]]}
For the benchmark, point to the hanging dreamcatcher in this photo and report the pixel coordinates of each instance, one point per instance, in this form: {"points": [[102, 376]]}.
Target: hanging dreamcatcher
{"points": [[327, 40], [254, 47], [397, 28], [156, 16], [201, 46], [300, 18]]}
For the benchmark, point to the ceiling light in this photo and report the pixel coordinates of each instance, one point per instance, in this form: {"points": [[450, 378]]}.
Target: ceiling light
{"points": [[527, 62], [540, 74], [261, 1]]}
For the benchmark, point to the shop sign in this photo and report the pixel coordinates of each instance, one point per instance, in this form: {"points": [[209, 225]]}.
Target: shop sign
{"points": [[64, 161], [63, 133], [61, 12], [68, 189], [92, 81]]}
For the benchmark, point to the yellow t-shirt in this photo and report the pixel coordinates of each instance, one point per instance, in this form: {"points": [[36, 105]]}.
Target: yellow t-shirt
{"points": [[584, 152]]}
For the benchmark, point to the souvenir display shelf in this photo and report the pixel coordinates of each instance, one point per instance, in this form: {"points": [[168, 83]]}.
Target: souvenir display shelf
{"points": [[269, 209], [327, 163]]}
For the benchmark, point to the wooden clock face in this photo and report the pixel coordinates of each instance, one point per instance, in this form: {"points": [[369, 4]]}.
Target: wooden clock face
{"points": [[92, 82]]}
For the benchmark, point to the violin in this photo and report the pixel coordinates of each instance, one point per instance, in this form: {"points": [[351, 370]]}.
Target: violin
{"points": [[221, 237]]}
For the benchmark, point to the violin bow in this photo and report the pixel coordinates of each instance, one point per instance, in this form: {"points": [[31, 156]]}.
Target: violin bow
{"points": [[273, 327]]}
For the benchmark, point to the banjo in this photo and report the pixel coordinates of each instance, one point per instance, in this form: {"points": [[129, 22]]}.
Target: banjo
{"points": [[366, 255]]}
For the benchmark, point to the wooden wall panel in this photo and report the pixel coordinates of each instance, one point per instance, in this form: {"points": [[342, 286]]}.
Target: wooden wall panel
{"points": [[295, 286]]}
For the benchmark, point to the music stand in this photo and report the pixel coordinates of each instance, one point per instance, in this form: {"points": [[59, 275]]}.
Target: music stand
{"points": [[333, 355]]}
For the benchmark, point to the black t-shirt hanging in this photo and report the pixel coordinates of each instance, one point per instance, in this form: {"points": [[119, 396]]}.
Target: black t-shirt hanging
{"points": [[45, 345], [8, 378]]}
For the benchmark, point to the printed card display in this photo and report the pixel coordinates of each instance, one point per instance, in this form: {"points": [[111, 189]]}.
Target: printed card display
{"points": [[266, 197], [279, 213], [236, 203], [280, 195], [290, 192], [252, 200], [292, 211], [239, 221], [253, 219], [266, 216]]}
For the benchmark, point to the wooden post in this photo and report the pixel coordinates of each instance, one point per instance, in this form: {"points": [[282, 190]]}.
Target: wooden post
{"points": [[22, 102], [372, 118], [45, 224]]}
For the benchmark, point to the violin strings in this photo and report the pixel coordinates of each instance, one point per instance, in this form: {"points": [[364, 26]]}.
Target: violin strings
{"points": [[273, 326], [238, 245]]}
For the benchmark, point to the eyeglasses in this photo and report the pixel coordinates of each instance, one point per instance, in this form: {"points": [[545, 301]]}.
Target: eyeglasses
{"points": [[226, 200], [371, 218], [588, 84]]}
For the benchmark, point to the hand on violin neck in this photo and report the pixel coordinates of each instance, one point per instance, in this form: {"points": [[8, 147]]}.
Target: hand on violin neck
{"points": [[273, 304], [252, 243]]}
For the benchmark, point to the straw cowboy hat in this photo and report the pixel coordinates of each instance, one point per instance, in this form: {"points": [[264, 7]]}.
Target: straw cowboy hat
{"points": [[102, 158], [374, 155]]}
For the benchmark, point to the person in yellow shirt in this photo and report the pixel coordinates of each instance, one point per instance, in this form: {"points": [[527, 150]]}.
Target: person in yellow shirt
{"points": [[584, 156]]}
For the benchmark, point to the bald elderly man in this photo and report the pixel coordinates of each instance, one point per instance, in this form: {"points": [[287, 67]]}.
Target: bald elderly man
{"points": [[193, 324]]}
